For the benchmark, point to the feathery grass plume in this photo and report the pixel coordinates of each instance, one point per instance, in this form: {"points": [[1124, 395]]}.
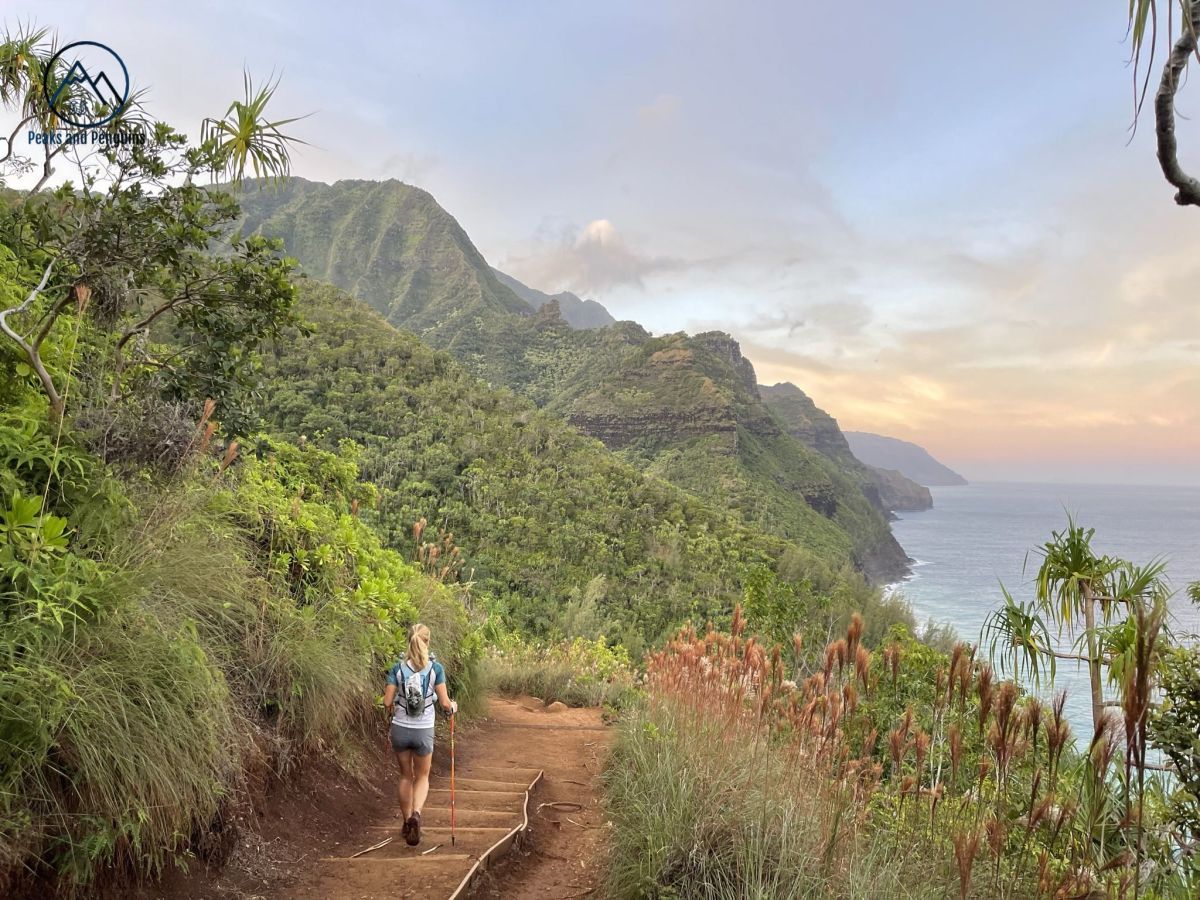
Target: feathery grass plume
{"points": [[231, 453], [1058, 733], [966, 845], [862, 666], [935, 797], [985, 769], [1045, 876], [984, 688], [830, 659], [996, 833], [965, 674], [939, 682], [738, 623], [843, 654], [1041, 812], [895, 664], [956, 751], [1003, 732], [921, 748], [850, 698], [868, 744], [906, 723], [1033, 792], [854, 634]]}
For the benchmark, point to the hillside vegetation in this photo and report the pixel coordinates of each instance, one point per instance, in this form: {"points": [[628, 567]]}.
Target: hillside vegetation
{"points": [[686, 409], [562, 535]]}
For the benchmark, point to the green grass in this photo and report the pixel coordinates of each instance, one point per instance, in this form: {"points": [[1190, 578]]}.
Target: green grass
{"points": [[231, 624], [702, 813], [577, 673]]}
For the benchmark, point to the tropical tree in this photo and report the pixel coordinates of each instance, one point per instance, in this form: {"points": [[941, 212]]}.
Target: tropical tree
{"points": [[1111, 608], [1179, 33], [128, 245]]}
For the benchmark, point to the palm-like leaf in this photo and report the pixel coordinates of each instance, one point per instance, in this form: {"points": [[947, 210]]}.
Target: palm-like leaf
{"points": [[23, 57], [246, 140], [1017, 636], [1071, 573]]}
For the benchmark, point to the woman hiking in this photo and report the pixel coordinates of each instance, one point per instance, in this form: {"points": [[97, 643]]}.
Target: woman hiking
{"points": [[413, 684]]}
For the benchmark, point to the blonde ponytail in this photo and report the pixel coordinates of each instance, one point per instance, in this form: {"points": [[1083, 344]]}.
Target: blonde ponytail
{"points": [[418, 646]]}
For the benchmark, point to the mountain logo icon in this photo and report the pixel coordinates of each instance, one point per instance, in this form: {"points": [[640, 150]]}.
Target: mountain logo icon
{"points": [[86, 84]]}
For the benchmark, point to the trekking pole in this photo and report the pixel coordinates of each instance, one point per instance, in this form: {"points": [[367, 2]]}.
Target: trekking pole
{"points": [[452, 822]]}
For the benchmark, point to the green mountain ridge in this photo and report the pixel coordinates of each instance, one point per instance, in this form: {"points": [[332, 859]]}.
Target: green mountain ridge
{"points": [[676, 406], [577, 312], [888, 489], [556, 527]]}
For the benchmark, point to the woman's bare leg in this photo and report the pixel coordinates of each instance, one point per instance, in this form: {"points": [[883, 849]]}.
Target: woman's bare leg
{"points": [[420, 784], [405, 759]]}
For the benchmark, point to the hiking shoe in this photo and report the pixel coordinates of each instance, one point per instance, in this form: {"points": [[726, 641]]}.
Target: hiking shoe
{"points": [[414, 830], [405, 828]]}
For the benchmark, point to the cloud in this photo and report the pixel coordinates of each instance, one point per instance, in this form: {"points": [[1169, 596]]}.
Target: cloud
{"points": [[588, 261]]}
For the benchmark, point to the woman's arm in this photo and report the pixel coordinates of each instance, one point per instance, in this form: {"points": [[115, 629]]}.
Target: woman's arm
{"points": [[389, 699], [444, 698]]}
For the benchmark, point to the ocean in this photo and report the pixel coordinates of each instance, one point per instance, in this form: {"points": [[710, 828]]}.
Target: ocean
{"points": [[979, 536]]}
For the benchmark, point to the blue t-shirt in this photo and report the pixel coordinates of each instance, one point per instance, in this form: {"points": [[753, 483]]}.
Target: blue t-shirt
{"points": [[430, 679]]}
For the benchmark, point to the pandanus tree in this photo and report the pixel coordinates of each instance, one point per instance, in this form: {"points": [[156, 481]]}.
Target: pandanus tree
{"points": [[1116, 612], [1112, 609], [128, 242]]}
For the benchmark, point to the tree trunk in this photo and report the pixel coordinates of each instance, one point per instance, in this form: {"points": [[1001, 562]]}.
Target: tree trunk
{"points": [[1094, 673], [1164, 109]]}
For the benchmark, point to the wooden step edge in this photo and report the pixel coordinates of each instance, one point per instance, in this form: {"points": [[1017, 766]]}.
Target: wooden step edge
{"points": [[500, 847], [471, 829], [398, 860]]}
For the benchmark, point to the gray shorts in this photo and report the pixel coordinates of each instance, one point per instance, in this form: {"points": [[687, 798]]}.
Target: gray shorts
{"points": [[418, 740]]}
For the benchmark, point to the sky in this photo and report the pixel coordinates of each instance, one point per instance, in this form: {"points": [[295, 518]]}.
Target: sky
{"points": [[931, 217]]}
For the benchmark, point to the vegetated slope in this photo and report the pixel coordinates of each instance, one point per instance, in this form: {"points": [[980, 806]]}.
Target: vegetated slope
{"points": [[577, 312], [808, 423], [562, 534], [910, 459], [424, 275], [391, 245], [689, 409]]}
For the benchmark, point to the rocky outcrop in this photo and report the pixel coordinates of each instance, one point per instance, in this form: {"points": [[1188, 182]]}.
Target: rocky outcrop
{"points": [[576, 312], [807, 422], [896, 493]]}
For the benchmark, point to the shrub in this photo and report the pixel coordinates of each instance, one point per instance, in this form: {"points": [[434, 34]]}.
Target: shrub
{"points": [[577, 673]]}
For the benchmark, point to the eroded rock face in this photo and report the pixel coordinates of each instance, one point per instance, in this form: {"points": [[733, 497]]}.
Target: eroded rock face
{"points": [[807, 422], [899, 494]]}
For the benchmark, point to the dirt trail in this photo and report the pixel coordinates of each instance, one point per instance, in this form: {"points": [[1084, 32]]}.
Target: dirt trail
{"points": [[302, 846]]}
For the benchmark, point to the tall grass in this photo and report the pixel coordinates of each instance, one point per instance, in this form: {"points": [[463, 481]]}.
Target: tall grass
{"points": [[712, 799], [577, 673], [127, 735], [895, 773]]}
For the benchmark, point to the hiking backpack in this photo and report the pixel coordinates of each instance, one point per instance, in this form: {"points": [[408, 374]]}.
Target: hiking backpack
{"points": [[416, 689]]}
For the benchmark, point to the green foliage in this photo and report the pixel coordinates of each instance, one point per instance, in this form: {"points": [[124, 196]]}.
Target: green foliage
{"points": [[577, 673], [541, 509], [1175, 730], [686, 409]]}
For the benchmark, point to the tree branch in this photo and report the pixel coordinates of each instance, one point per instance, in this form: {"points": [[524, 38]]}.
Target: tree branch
{"points": [[1188, 193], [31, 351]]}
